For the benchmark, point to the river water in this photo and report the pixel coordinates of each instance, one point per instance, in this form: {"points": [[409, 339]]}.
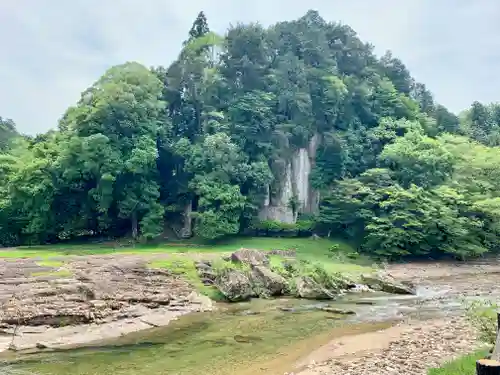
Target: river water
{"points": [[258, 337]]}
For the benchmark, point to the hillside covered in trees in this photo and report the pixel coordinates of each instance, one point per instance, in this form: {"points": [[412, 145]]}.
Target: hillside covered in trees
{"points": [[293, 129]]}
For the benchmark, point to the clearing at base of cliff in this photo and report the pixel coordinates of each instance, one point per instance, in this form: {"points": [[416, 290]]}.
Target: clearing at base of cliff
{"points": [[307, 247]]}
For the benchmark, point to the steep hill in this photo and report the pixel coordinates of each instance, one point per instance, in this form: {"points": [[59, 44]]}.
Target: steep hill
{"points": [[292, 129]]}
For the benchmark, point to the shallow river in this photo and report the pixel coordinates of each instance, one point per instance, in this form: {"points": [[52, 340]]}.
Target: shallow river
{"points": [[259, 337]]}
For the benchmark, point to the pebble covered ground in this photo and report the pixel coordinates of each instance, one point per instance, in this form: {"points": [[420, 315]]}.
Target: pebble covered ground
{"points": [[416, 346]]}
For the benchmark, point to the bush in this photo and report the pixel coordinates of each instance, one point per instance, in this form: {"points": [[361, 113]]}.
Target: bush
{"points": [[220, 265], [272, 228], [483, 316], [291, 269], [305, 225]]}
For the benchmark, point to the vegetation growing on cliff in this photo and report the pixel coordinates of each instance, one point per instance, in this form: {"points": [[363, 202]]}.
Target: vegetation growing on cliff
{"points": [[208, 145]]}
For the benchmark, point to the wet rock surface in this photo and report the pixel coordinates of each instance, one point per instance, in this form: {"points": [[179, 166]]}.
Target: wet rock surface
{"points": [[384, 282], [309, 289]]}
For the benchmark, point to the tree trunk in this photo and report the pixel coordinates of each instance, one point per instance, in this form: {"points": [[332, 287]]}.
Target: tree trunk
{"points": [[135, 225], [487, 367]]}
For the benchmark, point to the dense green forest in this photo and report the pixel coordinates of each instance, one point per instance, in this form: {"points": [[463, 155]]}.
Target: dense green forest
{"points": [[294, 129]]}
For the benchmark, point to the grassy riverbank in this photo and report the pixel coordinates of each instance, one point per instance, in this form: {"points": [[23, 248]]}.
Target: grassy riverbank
{"points": [[318, 249], [336, 255], [333, 256], [465, 365]]}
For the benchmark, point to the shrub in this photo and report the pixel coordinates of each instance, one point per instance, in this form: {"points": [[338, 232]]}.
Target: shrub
{"points": [[483, 316], [305, 225], [316, 271], [221, 265]]}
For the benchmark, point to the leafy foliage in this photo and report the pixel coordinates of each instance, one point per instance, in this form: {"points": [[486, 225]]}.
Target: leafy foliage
{"points": [[483, 317], [204, 142]]}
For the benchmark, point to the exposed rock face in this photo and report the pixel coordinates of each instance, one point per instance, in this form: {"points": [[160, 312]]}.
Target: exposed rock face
{"points": [[96, 289], [312, 205], [278, 207], [187, 229], [386, 283], [235, 285], [294, 184], [248, 274], [272, 283], [250, 256], [309, 289], [301, 167], [205, 272]]}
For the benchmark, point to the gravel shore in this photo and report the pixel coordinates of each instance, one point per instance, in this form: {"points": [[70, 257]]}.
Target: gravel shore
{"points": [[411, 347]]}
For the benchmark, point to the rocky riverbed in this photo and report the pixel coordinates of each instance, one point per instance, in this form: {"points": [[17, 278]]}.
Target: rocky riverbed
{"points": [[54, 303], [409, 348], [75, 300], [96, 298], [414, 345]]}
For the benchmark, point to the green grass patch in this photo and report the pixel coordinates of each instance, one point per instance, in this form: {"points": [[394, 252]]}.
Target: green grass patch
{"points": [[56, 272], [319, 249], [465, 365], [62, 273], [185, 267], [333, 256], [50, 263]]}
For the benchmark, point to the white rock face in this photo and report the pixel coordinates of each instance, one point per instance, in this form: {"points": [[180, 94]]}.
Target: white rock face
{"points": [[301, 171], [295, 182], [278, 208], [313, 200]]}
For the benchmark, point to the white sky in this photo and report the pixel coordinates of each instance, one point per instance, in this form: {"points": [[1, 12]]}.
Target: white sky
{"points": [[52, 50]]}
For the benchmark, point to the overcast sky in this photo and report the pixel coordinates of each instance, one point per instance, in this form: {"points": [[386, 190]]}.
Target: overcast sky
{"points": [[54, 49]]}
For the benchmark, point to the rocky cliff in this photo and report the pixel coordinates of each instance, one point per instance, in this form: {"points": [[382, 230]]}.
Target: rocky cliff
{"points": [[294, 185]]}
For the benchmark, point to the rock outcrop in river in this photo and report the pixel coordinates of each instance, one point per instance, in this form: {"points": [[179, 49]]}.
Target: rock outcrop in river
{"points": [[92, 290], [251, 273]]}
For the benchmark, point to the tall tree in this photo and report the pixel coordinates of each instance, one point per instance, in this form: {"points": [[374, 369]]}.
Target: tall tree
{"points": [[122, 111], [199, 28], [8, 132], [237, 126]]}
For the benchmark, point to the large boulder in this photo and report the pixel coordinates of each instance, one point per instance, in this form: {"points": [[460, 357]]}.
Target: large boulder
{"points": [[310, 289], [250, 256], [234, 284], [267, 282], [384, 282]]}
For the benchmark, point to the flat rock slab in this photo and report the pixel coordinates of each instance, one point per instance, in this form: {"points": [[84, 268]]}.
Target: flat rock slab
{"points": [[103, 296]]}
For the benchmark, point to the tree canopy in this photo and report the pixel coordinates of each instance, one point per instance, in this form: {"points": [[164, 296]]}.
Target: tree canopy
{"points": [[204, 145]]}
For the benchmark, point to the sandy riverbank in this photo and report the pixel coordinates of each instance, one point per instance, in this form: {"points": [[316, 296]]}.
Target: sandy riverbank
{"points": [[411, 347], [404, 349]]}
